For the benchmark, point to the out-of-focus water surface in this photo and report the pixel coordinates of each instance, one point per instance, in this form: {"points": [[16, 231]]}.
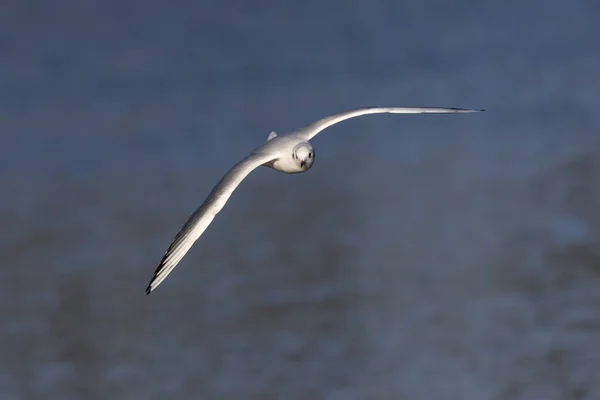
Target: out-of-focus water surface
{"points": [[422, 257]]}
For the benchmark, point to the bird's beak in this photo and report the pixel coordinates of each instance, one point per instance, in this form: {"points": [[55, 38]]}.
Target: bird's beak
{"points": [[302, 163]]}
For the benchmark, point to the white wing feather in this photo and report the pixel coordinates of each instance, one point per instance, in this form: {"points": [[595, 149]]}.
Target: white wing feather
{"points": [[203, 216], [311, 130]]}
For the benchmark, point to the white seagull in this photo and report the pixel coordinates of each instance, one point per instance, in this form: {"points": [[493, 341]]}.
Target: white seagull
{"points": [[290, 153]]}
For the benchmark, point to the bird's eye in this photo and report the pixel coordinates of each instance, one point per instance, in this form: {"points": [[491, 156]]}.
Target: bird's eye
{"points": [[309, 155]]}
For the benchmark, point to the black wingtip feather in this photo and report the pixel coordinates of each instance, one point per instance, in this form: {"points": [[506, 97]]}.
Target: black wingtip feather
{"points": [[148, 290]]}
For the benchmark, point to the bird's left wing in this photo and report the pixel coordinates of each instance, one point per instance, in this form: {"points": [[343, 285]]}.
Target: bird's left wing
{"points": [[309, 131], [203, 216]]}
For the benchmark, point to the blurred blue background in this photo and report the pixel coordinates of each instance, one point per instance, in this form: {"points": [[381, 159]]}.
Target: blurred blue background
{"points": [[422, 257]]}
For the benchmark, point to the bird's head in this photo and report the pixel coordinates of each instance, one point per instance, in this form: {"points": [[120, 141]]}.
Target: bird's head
{"points": [[304, 156]]}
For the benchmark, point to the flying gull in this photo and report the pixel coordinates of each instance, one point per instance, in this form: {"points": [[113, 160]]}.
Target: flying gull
{"points": [[290, 153]]}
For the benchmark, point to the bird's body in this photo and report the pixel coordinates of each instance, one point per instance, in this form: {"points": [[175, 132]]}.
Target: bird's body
{"points": [[290, 153], [282, 147]]}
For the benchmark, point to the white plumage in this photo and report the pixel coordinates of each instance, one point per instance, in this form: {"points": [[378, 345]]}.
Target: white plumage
{"points": [[289, 153]]}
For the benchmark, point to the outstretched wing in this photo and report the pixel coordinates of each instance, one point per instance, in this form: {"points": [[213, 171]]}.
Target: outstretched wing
{"points": [[203, 216], [311, 130]]}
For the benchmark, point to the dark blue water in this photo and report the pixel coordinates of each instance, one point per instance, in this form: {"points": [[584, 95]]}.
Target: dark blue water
{"points": [[422, 257]]}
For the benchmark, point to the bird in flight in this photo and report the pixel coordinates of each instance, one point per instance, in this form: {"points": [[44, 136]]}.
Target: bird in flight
{"points": [[290, 153]]}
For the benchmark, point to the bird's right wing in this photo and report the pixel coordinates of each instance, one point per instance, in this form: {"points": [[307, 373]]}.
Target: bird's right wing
{"points": [[203, 216]]}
